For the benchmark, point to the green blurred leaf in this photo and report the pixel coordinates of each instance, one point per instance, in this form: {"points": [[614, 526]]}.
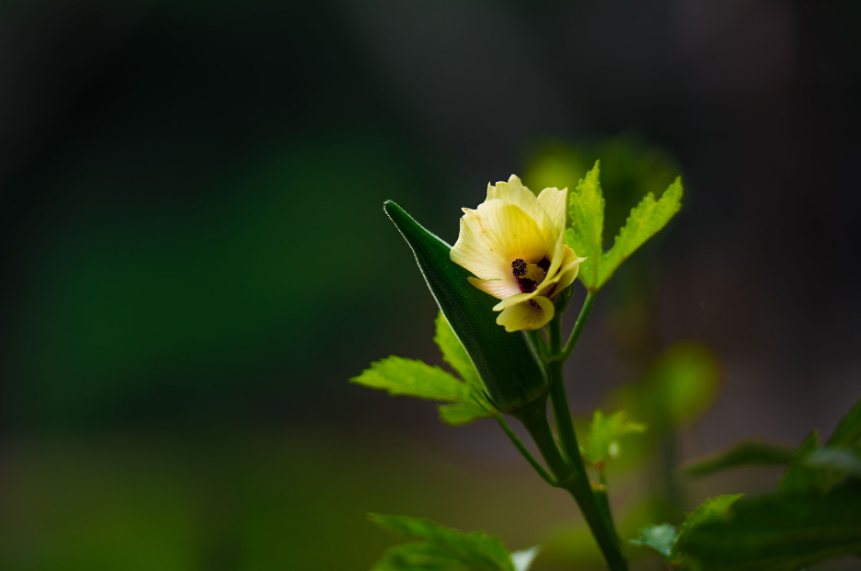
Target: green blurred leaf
{"points": [[848, 431], [710, 510], [455, 355], [800, 478], [478, 551], [777, 533], [419, 556], [461, 413], [585, 237], [523, 559], [408, 377], [682, 385], [604, 434], [659, 538], [748, 453]]}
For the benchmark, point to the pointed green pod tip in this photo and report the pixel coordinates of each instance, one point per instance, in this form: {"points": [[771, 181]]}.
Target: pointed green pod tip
{"points": [[510, 369]]}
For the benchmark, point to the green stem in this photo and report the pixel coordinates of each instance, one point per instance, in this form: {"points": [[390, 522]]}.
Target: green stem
{"points": [[524, 451], [572, 477], [575, 333], [602, 497]]}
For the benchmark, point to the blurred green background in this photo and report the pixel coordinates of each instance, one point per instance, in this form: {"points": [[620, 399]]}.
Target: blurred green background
{"points": [[195, 261]]}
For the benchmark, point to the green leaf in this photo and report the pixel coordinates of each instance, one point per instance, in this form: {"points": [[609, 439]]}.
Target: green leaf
{"points": [[407, 377], [710, 510], [800, 478], [461, 413], [605, 432], [510, 369], [419, 556], [455, 355], [523, 559], [659, 538], [777, 533], [848, 431], [749, 453], [478, 551], [585, 237], [646, 219]]}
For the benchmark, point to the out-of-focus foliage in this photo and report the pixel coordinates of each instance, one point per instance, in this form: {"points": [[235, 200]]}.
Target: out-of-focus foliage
{"points": [[664, 538], [602, 441], [585, 236], [778, 533], [441, 548], [747, 453]]}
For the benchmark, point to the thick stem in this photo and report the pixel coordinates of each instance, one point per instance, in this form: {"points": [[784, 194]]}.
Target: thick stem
{"points": [[572, 477], [524, 451]]}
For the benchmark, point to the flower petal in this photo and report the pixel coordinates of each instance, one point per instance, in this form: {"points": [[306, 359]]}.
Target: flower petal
{"points": [[552, 201], [527, 316], [500, 289], [496, 234], [568, 270]]}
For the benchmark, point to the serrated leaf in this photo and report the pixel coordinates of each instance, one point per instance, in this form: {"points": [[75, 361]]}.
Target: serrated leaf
{"points": [[848, 431], [585, 236], [710, 510], [800, 478], [461, 413], [523, 559], [419, 556], [455, 355], [478, 550], [659, 538], [646, 219], [605, 432], [748, 453], [413, 378], [777, 533]]}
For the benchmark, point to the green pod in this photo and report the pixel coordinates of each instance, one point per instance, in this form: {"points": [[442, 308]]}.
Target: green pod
{"points": [[510, 368]]}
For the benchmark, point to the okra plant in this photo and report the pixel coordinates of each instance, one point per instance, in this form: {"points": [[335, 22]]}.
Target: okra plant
{"points": [[501, 291]]}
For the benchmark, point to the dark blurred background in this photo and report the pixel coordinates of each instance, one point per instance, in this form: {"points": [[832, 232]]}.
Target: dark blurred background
{"points": [[195, 260]]}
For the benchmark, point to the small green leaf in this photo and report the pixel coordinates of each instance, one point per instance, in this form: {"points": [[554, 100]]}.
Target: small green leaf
{"points": [[660, 538], [478, 550], [800, 478], [523, 559], [455, 355], [646, 219], [848, 431], [605, 432], [419, 556], [407, 377], [710, 510], [585, 237], [461, 413], [777, 533], [748, 453]]}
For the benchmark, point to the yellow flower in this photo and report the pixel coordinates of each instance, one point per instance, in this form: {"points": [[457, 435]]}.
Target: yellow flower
{"points": [[513, 244]]}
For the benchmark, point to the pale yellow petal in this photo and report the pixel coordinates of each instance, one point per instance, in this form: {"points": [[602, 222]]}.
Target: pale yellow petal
{"points": [[527, 316], [512, 232], [500, 289], [552, 201], [568, 270], [478, 251], [513, 192]]}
